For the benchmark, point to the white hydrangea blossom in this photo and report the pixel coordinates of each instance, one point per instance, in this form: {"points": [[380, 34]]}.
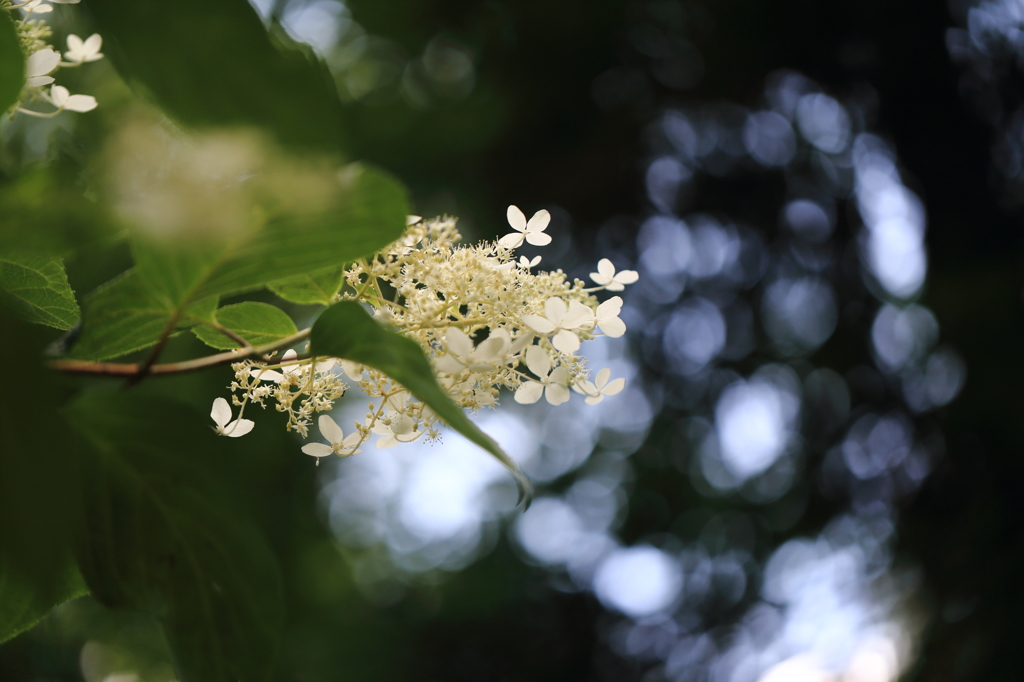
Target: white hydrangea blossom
{"points": [[611, 280], [81, 51], [340, 444], [42, 61], [221, 415], [484, 319]]}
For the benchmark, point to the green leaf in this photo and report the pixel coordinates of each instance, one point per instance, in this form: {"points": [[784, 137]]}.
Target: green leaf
{"points": [[368, 213], [347, 331], [25, 598], [12, 63], [167, 534], [37, 288], [257, 323], [39, 484], [213, 63], [315, 288], [124, 316]]}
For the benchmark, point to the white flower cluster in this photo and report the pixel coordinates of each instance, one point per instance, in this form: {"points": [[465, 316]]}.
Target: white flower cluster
{"points": [[486, 321], [41, 60]]}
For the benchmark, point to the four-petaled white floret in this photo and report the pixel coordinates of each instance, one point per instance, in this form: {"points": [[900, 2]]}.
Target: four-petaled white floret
{"points": [[221, 415], [600, 387], [81, 51], [559, 320], [532, 232], [340, 444], [550, 383], [62, 99], [607, 278]]}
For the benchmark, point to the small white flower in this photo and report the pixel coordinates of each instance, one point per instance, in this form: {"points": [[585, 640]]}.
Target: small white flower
{"points": [[39, 64], [81, 51], [62, 99], [340, 445], [601, 387], [609, 279], [560, 319], [37, 7], [532, 232], [221, 415], [413, 219], [394, 430], [462, 355], [352, 370], [552, 384], [288, 374], [525, 263], [607, 317]]}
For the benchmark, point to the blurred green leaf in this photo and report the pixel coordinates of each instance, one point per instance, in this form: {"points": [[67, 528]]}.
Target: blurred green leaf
{"points": [[39, 502], [26, 598], [316, 288], [368, 213], [257, 323], [347, 331], [37, 287], [213, 63], [124, 316], [12, 62], [167, 535]]}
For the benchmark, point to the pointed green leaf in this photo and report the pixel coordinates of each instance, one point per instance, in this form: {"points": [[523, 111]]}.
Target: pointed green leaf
{"points": [[367, 214], [123, 316], [12, 63], [37, 288], [315, 288], [347, 331], [257, 323], [166, 533], [26, 598], [221, 69]]}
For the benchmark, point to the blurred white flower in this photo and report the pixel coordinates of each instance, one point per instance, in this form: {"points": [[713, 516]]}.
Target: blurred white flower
{"points": [[526, 263], [551, 384], [532, 232], [80, 51], [37, 7], [607, 317], [462, 355], [62, 99], [288, 374], [609, 279], [560, 319], [340, 445], [395, 428], [39, 64], [600, 388], [221, 415]]}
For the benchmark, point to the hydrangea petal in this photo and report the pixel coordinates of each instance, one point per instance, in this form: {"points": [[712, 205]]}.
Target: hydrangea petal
{"points": [[239, 427], [221, 412], [538, 323], [529, 392], [566, 341], [330, 430], [556, 394], [516, 218], [317, 449]]}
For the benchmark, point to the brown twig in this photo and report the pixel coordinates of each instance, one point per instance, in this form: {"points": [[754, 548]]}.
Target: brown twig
{"points": [[131, 369]]}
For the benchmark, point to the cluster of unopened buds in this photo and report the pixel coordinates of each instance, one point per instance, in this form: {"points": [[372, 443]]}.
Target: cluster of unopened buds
{"points": [[486, 321], [42, 61]]}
